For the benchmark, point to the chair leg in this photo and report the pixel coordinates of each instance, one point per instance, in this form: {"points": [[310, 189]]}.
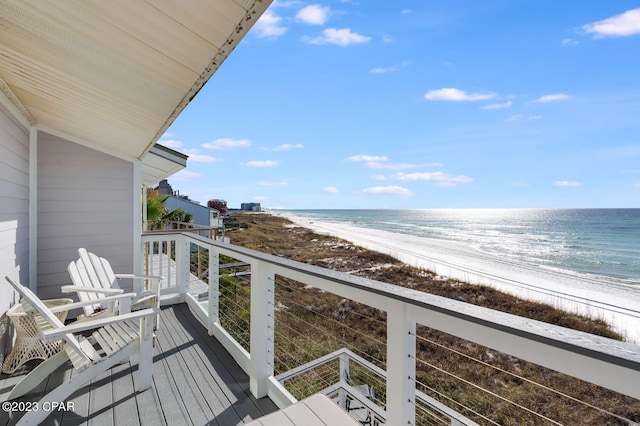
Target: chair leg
{"points": [[38, 374], [145, 358], [62, 392]]}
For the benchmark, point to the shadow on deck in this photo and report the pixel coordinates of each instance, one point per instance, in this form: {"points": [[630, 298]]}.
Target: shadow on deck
{"points": [[195, 382]]}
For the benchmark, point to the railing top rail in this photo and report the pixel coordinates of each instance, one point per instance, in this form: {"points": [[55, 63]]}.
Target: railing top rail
{"points": [[623, 354]]}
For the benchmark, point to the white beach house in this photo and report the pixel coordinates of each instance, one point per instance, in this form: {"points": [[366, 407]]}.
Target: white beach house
{"points": [[86, 90]]}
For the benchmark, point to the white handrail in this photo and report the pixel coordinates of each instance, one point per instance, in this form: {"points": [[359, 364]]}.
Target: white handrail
{"points": [[612, 364]]}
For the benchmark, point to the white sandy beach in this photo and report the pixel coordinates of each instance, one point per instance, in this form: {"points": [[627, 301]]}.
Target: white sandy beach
{"points": [[618, 304]]}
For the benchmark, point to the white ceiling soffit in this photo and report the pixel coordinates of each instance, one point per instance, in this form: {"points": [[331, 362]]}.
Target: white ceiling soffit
{"points": [[115, 73], [160, 163]]}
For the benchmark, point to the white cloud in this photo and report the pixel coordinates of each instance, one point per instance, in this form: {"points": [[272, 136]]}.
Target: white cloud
{"points": [[195, 156], [313, 14], [567, 183], [569, 42], [363, 157], [387, 190], [330, 190], [523, 117], [185, 176], [268, 26], [227, 143], [498, 106], [273, 183], [340, 37], [439, 178], [284, 147], [389, 166], [261, 163], [636, 185], [625, 24], [553, 98], [173, 144], [457, 95], [394, 68]]}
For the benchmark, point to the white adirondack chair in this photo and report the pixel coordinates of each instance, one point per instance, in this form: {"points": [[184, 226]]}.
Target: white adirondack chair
{"points": [[93, 279], [115, 340]]}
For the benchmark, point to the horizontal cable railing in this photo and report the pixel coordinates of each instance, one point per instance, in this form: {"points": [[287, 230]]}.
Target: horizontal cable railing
{"points": [[275, 315]]}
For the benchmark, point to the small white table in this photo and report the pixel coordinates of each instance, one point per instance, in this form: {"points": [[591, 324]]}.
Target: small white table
{"points": [[28, 344]]}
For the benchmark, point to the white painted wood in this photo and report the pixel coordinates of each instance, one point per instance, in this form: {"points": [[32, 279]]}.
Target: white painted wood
{"points": [[139, 209], [182, 265], [609, 363], [87, 361], [262, 337], [279, 394], [33, 208], [93, 278], [401, 365], [214, 290], [116, 74], [14, 206]]}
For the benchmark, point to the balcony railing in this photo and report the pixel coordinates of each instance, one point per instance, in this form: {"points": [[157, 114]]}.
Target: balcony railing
{"points": [[244, 298]]}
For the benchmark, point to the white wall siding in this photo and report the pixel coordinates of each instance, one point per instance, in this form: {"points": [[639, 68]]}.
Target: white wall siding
{"points": [[85, 199], [14, 212]]}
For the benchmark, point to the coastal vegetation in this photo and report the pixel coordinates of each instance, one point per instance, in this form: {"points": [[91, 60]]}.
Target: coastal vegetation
{"points": [[157, 211], [487, 386]]}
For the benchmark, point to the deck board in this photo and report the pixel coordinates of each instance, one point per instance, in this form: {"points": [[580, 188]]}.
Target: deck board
{"points": [[195, 382]]}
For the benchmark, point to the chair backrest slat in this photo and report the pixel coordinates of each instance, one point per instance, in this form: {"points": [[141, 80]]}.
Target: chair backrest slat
{"points": [[92, 271], [94, 279]]}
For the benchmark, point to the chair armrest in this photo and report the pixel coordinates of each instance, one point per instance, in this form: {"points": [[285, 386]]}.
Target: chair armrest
{"points": [[154, 284], [79, 326], [75, 305], [77, 288], [140, 277]]}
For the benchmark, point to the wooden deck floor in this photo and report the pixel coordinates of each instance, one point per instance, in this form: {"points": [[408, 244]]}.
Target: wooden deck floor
{"points": [[195, 382]]}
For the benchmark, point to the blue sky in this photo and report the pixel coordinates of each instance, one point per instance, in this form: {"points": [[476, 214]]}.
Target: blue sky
{"points": [[422, 104]]}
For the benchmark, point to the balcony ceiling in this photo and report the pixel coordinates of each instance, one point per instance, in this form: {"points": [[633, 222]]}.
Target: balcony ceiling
{"points": [[115, 73]]}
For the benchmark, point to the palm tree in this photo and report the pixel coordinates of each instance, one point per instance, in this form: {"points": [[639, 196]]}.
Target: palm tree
{"points": [[157, 212]]}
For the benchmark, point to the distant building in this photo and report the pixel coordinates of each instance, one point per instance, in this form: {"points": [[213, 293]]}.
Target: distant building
{"points": [[251, 207], [202, 216], [164, 188], [220, 205]]}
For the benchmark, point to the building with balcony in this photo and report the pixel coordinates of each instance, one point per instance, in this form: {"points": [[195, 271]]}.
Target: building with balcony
{"points": [[87, 89]]}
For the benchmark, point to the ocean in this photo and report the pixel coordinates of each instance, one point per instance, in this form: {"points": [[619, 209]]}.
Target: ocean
{"points": [[597, 243]]}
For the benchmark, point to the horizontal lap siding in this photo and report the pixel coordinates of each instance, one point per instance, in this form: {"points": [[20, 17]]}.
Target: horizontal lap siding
{"points": [[14, 212], [85, 199]]}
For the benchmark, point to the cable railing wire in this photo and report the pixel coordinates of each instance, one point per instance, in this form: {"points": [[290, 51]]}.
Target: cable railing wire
{"points": [[540, 385], [454, 402], [344, 343], [522, 407]]}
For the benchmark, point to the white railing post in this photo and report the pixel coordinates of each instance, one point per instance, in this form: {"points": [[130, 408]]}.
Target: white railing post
{"points": [[183, 265], [214, 290], [262, 338], [401, 365]]}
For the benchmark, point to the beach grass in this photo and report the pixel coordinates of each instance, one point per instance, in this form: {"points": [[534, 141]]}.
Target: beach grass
{"points": [[443, 358]]}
